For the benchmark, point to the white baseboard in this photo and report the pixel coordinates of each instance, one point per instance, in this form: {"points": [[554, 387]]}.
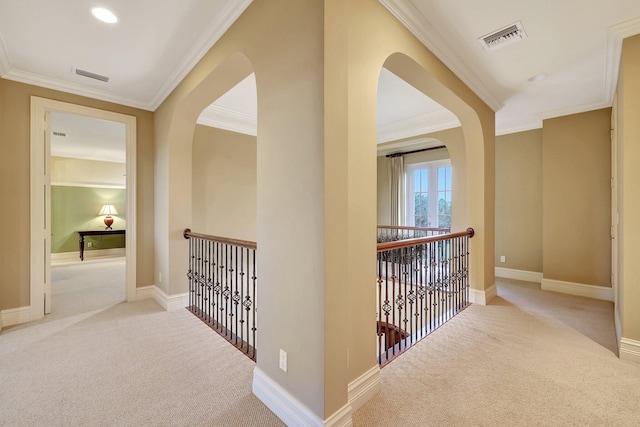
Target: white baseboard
{"points": [[477, 296], [293, 413], [341, 418], [144, 292], [630, 350], [589, 291], [526, 276], [364, 388], [289, 409], [88, 254], [15, 316], [170, 302]]}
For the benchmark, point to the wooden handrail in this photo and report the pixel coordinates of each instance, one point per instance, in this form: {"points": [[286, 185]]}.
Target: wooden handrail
{"points": [[226, 240], [405, 227], [388, 246]]}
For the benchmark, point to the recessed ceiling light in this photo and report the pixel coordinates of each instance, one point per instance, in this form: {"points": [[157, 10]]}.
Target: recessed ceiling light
{"points": [[537, 78], [104, 15]]}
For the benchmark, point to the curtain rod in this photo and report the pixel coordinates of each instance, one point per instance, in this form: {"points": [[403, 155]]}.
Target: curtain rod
{"points": [[416, 151]]}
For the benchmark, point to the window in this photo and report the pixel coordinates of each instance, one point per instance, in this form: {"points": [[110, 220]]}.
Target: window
{"points": [[429, 194]]}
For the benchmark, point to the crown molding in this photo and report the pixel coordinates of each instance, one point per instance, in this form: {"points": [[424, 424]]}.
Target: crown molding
{"points": [[615, 37], [612, 65], [536, 124], [628, 28], [209, 37], [416, 23], [573, 110], [77, 89], [224, 118], [419, 125]]}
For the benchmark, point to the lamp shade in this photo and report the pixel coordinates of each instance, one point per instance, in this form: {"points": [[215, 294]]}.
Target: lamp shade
{"points": [[108, 210]]}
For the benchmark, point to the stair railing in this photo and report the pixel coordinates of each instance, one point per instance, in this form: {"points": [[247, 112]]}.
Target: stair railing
{"points": [[222, 287], [422, 283], [389, 233]]}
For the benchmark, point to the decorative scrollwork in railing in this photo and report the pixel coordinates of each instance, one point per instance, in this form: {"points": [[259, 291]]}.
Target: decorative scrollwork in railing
{"points": [[222, 287], [422, 283]]}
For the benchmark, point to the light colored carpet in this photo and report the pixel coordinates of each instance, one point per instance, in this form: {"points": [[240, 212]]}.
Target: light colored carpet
{"points": [[80, 287], [592, 318], [527, 359], [517, 363], [128, 364]]}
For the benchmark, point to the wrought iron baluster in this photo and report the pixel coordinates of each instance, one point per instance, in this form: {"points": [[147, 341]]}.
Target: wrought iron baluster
{"points": [[420, 285], [220, 291], [254, 328]]}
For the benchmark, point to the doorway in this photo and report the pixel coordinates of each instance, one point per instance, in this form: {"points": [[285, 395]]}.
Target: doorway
{"points": [[41, 239]]}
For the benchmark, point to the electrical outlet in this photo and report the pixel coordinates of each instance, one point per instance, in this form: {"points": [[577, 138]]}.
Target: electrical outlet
{"points": [[283, 360], [159, 277], [90, 244], [503, 258]]}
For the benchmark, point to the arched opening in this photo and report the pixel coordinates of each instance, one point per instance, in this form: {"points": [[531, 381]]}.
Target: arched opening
{"points": [[468, 160], [418, 182], [224, 164], [222, 268], [469, 144], [174, 171], [209, 188], [421, 169]]}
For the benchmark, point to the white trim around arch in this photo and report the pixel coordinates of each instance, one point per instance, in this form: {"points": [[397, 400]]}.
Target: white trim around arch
{"points": [[39, 254]]}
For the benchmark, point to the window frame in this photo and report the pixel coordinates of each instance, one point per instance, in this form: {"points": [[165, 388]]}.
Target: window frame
{"points": [[432, 192]]}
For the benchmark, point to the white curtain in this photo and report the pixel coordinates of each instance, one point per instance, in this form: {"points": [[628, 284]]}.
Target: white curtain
{"points": [[397, 191]]}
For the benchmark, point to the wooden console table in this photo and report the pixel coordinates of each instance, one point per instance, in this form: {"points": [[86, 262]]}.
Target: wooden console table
{"points": [[94, 233]]}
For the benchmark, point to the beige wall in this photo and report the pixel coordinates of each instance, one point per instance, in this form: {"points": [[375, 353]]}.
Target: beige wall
{"points": [[576, 169], [317, 65], [628, 133], [360, 37], [224, 183], [15, 191], [281, 41], [519, 200]]}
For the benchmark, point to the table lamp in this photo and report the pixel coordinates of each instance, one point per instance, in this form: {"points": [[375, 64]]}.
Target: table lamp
{"points": [[108, 210]]}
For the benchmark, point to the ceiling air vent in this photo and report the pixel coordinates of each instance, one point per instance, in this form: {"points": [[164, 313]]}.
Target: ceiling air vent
{"points": [[91, 75], [504, 36], [62, 134]]}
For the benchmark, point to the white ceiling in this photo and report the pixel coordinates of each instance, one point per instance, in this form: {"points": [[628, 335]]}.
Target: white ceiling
{"points": [[88, 138], [146, 53], [575, 42]]}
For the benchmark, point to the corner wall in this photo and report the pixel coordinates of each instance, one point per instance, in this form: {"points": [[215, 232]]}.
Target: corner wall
{"points": [[360, 37], [628, 133], [317, 65], [281, 41]]}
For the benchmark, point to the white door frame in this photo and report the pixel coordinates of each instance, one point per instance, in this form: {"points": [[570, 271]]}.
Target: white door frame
{"points": [[614, 200], [40, 245]]}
